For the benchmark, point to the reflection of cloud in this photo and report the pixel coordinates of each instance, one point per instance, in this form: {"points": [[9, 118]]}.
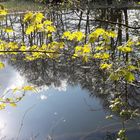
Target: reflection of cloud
{"points": [[55, 113], [2, 126], [10, 79], [63, 86], [43, 97], [42, 88], [64, 120], [16, 81]]}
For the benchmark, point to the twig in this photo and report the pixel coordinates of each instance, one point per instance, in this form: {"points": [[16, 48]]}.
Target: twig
{"points": [[22, 121], [111, 22], [91, 108]]}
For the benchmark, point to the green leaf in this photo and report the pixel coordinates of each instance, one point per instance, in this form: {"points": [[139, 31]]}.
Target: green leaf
{"points": [[121, 133], [130, 77], [114, 76]]}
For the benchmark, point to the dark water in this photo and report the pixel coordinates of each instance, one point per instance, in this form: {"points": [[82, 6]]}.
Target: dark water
{"points": [[63, 111]]}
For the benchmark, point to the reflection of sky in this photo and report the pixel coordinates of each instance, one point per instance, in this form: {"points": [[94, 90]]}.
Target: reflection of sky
{"points": [[61, 111], [53, 108], [10, 78]]}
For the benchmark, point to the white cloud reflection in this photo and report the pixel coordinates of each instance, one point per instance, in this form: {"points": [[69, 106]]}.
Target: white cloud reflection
{"points": [[43, 97], [16, 81], [62, 87]]}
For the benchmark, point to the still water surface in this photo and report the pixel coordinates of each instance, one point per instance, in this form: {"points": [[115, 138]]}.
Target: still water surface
{"points": [[63, 112]]}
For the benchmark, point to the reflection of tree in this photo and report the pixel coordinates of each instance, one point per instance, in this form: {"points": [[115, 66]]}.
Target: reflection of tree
{"points": [[75, 19], [47, 73]]}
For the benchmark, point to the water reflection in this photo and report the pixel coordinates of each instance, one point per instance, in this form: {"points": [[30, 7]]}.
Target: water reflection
{"points": [[58, 75], [52, 116], [73, 98], [124, 21], [71, 104]]}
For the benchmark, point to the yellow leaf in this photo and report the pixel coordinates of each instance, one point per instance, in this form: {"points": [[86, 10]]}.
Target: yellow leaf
{"points": [[99, 31], [23, 48], [47, 22], [13, 45], [33, 47], [2, 106], [125, 49], [28, 88], [28, 16], [105, 66], [86, 49], [3, 12], [99, 48], [101, 56], [78, 49], [15, 89], [29, 29], [2, 65], [13, 104], [50, 29], [130, 77], [78, 36], [95, 34], [9, 30], [38, 17], [131, 67], [129, 43], [66, 34], [111, 34], [39, 26], [138, 43]]}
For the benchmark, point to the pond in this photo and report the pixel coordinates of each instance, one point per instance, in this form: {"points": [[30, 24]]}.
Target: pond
{"points": [[71, 97], [66, 106]]}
